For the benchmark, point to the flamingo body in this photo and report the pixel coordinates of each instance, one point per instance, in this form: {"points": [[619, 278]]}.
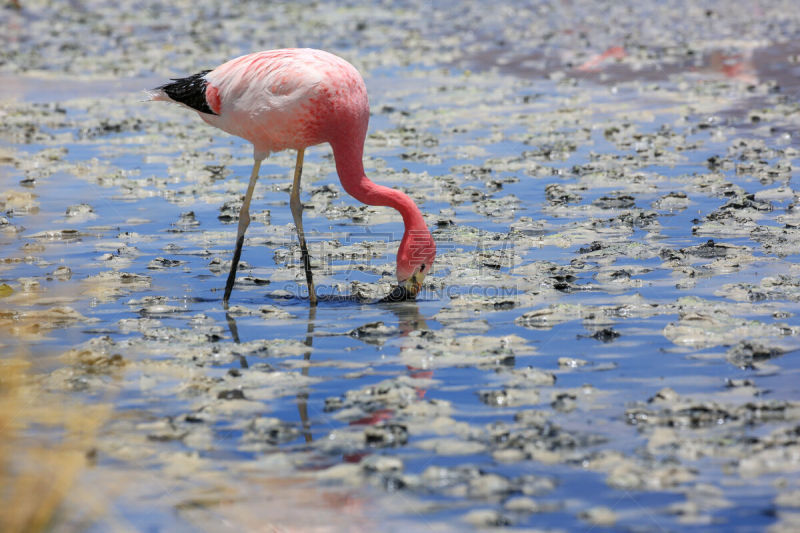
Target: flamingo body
{"points": [[282, 99], [293, 99]]}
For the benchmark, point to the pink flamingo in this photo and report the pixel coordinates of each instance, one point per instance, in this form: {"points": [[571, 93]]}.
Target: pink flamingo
{"points": [[615, 52], [296, 98]]}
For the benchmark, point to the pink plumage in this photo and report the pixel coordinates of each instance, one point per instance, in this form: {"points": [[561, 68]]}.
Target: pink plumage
{"points": [[293, 99], [283, 99]]}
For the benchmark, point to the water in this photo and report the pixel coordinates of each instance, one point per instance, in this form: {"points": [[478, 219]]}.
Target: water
{"points": [[582, 356]]}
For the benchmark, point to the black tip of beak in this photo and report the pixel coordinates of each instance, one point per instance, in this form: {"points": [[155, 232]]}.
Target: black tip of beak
{"points": [[399, 294]]}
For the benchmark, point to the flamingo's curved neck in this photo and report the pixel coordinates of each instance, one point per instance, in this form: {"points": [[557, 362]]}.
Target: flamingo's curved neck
{"points": [[350, 167]]}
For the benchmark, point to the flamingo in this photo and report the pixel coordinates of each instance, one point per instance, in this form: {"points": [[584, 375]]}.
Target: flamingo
{"points": [[292, 99]]}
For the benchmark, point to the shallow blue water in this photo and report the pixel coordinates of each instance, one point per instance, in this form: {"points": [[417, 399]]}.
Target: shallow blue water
{"points": [[645, 360]]}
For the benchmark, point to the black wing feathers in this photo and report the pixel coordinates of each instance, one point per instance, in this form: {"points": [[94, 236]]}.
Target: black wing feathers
{"points": [[190, 91]]}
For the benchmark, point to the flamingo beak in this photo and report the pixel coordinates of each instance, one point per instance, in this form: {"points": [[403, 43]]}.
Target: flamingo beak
{"points": [[406, 290], [414, 283]]}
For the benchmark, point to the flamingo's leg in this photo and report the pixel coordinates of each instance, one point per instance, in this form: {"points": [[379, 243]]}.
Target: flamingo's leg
{"points": [[297, 214], [244, 221]]}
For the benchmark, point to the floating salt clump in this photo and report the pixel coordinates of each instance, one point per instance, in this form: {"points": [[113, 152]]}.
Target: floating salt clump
{"points": [[599, 516], [82, 211]]}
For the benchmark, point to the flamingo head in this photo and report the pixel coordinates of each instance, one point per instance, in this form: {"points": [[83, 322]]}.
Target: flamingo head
{"points": [[415, 259]]}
